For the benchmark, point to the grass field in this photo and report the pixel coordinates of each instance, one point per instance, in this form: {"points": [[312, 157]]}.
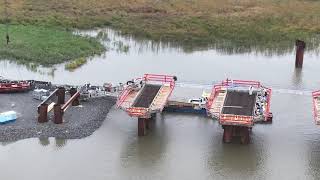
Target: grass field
{"points": [[270, 24], [45, 46]]}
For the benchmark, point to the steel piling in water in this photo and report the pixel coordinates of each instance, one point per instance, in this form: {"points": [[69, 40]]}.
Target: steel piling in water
{"points": [[300, 46]]}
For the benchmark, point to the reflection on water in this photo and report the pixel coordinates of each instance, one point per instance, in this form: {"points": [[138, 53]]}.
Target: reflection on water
{"points": [[297, 77], [59, 142], [44, 141], [128, 57], [179, 146]]}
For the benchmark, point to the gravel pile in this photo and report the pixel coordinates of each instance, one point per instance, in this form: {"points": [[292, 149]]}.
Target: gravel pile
{"points": [[79, 122]]}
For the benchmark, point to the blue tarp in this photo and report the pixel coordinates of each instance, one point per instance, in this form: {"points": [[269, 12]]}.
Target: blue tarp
{"points": [[8, 117]]}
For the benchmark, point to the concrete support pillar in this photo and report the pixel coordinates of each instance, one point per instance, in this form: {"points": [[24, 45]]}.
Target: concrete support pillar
{"points": [[300, 46], [76, 101], [58, 114], [61, 95], [43, 113], [141, 126]]}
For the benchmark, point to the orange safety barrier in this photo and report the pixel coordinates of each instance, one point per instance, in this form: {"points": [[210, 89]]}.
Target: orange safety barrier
{"points": [[236, 119], [137, 111], [160, 78]]}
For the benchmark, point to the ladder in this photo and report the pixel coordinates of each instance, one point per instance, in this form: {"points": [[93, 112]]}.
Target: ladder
{"points": [[218, 103]]}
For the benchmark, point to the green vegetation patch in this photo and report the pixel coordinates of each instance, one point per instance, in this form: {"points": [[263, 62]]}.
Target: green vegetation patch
{"points": [[45, 46], [75, 64]]}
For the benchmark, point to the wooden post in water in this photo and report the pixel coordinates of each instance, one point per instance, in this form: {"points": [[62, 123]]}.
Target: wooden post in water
{"points": [[300, 46]]}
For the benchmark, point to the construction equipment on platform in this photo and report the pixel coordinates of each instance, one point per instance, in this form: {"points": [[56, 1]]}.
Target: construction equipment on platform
{"points": [[316, 106], [237, 105]]}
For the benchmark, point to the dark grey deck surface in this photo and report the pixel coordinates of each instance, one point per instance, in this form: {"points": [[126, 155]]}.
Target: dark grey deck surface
{"points": [[239, 103], [147, 95]]}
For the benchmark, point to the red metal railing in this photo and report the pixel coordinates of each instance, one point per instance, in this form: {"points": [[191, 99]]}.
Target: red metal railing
{"points": [[213, 95], [230, 119], [123, 96], [160, 78], [267, 112], [315, 96], [143, 112]]}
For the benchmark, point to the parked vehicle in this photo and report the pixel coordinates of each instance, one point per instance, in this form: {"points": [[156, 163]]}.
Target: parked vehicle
{"points": [[40, 94]]}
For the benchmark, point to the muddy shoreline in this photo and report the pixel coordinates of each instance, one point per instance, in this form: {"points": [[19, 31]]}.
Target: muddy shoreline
{"points": [[79, 122]]}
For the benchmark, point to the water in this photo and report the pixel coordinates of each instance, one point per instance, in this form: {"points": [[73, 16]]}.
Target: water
{"points": [[179, 146]]}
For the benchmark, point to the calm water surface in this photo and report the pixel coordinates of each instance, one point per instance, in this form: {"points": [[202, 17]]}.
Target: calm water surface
{"points": [[179, 146]]}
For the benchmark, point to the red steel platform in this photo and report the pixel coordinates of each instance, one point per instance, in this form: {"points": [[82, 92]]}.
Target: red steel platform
{"points": [[148, 95], [232, 103]]}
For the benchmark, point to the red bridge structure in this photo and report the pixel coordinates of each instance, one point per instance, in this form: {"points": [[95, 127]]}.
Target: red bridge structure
{"points": [[238, 105], [316, 106], [146, 96]]}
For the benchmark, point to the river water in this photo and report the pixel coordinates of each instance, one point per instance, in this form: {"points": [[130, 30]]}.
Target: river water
{"points": [[179, 146]]}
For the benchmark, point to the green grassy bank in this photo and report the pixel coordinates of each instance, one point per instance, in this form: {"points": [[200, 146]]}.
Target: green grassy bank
{"points": [[45, 46], [228, 24]]}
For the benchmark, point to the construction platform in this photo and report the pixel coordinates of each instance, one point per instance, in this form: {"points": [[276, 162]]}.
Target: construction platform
{"points": [[316, 106], [237, 105], [146, 96]]}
